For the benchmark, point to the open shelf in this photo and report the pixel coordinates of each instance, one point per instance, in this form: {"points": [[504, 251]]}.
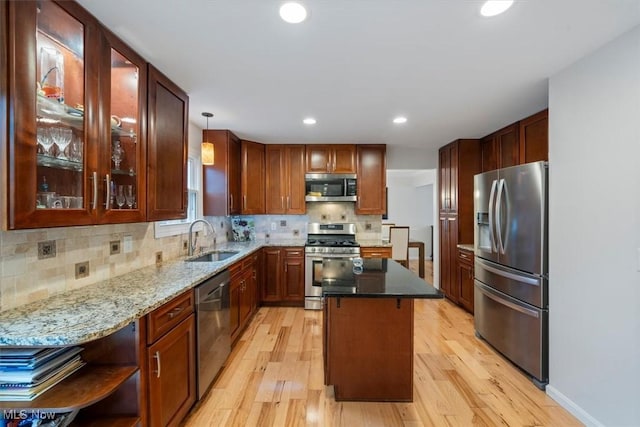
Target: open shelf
{"points": [[86, 387]]}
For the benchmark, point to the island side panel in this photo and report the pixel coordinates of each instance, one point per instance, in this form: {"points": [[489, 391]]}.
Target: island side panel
{"points": [[369, 348]]}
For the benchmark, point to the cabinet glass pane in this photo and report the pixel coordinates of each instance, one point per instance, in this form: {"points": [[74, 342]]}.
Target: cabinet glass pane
{"points": [[125, 123], [60, 129]]}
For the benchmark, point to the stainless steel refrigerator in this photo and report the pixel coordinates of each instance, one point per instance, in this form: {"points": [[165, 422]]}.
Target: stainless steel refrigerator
{"points": [[511, 265]]}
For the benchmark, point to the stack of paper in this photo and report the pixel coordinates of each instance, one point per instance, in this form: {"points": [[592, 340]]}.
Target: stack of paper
{"points": [[26, 373]]}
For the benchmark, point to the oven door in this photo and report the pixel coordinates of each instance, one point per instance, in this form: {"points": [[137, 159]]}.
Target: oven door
{"points": [[313, 277]]}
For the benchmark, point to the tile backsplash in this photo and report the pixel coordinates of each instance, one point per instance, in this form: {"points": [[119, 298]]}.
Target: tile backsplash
{"points": [[25, 278]]}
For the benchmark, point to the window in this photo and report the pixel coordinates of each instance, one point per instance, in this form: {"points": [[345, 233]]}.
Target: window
{"points": [[181, 226]]}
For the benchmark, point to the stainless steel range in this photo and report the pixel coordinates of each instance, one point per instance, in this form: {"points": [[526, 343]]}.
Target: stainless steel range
{"points": [[325, 241]]}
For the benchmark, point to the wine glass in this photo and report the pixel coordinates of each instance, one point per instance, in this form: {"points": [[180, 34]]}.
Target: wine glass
{"points": [[120, 199], [128, 195], [117, 154], [44, 139], [62, 138]]}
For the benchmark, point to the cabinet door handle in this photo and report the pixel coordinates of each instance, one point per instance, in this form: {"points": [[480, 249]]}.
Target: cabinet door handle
{"points": [[282, 202], [288, 203], [157, 357], [94, 201], [231, 200], [334, 166], [173, 313], [244, 201], [107, 181], [463, 256]]}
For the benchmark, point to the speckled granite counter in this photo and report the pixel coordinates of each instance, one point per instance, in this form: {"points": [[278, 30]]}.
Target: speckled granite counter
{"points": [[466, 246], [374, 243], [100, 309]]}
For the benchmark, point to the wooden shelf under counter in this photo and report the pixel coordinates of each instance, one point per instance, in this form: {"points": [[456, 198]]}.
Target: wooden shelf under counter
{"points": [[89, 385]]}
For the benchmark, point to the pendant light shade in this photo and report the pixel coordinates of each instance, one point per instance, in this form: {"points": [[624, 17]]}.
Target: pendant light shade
{"points": [[207, 154]]}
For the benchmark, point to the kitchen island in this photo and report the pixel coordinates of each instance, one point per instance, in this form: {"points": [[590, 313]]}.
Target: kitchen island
{"points": [[368, 328]]}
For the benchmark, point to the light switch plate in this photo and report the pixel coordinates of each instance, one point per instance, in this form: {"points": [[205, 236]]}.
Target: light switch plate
{"points": [[128, 244]]}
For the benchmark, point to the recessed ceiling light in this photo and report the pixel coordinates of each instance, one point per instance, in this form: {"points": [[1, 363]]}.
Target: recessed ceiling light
{"points": [[293, 12], [495, 7], [309, 121], [399, 120]]}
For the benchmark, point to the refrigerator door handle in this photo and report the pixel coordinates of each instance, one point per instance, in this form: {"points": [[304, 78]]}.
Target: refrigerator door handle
{"points": [[489, 293], [498, 222], [491, 213], [508, 275]]}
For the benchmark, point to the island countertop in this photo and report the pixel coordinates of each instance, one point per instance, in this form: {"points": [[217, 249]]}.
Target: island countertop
{"points": [[378, 278]]}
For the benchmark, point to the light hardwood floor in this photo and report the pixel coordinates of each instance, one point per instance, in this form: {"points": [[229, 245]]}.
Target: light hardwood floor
{"points": [[274, 377]]}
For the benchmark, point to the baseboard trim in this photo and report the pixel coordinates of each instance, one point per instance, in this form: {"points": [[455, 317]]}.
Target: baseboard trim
{"points": [[572, 407]]}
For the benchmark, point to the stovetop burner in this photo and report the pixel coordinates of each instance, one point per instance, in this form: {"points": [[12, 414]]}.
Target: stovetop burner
{"points": [[332, 242]]}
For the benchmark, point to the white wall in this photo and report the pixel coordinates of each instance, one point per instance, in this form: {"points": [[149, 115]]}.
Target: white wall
{"points": [[411, 158], [411, 202], [594, 199]]}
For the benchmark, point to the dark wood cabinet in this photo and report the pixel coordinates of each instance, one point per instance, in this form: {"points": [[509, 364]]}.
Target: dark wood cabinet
{"points": [[285, 188], [459, 161], [283, 280], [168, 110], [501, 148], [82, 140], [243, 290], [375, 251], [252, 182], [171, 361], [521, 142], [322, 158], [221, 181], [464, 277], [534, 137], [371, 166]]}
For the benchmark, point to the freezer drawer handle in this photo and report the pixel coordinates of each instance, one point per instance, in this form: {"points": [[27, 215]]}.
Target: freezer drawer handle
{"points": [[527, 280], [496, 298]]}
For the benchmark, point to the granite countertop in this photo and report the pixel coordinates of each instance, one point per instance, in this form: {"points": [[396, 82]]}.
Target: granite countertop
{"points": [[466, 247], [98, 310], [380, 278], [374, 243]]}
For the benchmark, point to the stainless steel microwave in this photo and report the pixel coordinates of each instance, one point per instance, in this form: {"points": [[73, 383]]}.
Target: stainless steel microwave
{"points": [[324, 187]]}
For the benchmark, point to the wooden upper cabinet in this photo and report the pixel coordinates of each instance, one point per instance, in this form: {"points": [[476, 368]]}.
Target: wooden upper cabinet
{"points": [[221, 181], [522, 142], [252, 182], [534, 137], [336, 158], [168, 109], [372, 179], [448, 171], [285, 189]]}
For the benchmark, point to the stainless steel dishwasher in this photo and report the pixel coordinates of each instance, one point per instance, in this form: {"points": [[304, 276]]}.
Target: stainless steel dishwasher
{"points": [[214, 335]]}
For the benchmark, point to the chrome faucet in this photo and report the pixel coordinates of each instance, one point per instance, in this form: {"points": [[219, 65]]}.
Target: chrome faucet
{"points": [[192, 246]]}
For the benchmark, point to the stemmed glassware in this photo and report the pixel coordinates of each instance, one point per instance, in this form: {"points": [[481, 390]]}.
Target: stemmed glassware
{"points": [[120, 198], [44, 139], [61, 137], [130, 198], [117, 154]]}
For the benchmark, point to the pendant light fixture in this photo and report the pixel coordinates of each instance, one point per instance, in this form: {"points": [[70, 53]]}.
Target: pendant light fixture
{"points": [[207, 147]]}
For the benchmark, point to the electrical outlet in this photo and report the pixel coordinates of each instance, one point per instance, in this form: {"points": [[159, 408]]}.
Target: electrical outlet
{"points": [[47, 249], [185, 245], [296, 232], [283, 223], [324, 217], [343, 216], [273, 226], [114, 247], [367, 226], [82, 270], [158, 257]]}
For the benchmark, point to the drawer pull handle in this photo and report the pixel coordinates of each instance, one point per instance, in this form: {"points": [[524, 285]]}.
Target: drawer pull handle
{"points": [[173, 313], [463, 256], [157, 357]]}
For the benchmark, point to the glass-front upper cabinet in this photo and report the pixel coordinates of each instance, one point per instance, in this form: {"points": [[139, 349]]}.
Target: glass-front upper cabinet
{"points": [[50, 136], [123, 162], [77, 108]]}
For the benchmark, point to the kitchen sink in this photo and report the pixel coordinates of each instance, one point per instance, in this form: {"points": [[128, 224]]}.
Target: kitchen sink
{"points": [[214, 256]]}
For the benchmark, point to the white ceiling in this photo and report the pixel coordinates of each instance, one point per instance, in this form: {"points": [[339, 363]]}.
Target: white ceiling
{"points": [[355, 64]]}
